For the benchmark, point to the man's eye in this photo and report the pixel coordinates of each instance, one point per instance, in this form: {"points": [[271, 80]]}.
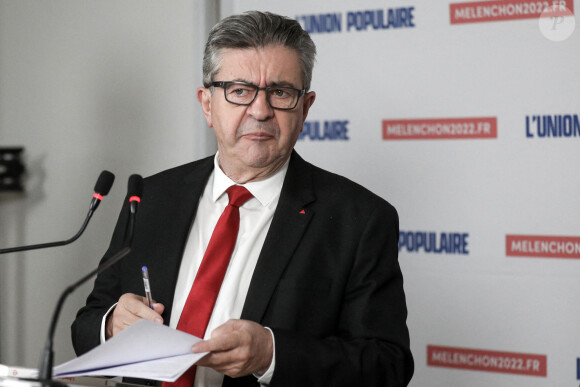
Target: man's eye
{"points": [[280, 93], [240, 91]]}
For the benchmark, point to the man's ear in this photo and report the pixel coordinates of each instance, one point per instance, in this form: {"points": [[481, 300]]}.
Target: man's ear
{"points": [[204, 98], [308, 101]]}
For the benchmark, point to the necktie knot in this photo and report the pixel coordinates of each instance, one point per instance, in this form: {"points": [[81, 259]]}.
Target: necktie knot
{"points": [[238, 195]]}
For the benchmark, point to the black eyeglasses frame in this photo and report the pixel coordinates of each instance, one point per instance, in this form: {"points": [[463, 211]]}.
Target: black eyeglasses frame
{"points": [[224, 84]]}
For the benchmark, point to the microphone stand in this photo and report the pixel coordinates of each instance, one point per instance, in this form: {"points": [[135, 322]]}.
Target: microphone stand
{"points": [[47, 355]]}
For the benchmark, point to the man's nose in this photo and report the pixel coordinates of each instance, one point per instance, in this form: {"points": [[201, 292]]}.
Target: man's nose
{"points": [[260, 109]]}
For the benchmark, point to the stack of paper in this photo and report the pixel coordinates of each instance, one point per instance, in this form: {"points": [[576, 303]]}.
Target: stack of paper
{"points": [[145, 350]]}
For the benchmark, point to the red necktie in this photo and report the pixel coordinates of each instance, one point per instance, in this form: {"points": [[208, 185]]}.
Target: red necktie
{"points": [[211, 273]]}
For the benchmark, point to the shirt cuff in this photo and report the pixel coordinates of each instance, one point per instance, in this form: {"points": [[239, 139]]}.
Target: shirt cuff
{"points": [[104, 323], [265, 378]]}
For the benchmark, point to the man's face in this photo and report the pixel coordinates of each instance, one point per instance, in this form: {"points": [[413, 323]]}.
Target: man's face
{"points": [[255, 140]]}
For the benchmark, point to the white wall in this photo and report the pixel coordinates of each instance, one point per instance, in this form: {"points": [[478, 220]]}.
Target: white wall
{"points": [[86, 86]]}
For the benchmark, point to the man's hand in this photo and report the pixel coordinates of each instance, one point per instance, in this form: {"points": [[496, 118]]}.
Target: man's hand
{"points": [[130, 309], [237, 348]]}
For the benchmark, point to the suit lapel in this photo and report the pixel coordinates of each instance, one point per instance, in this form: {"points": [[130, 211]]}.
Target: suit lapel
{"points": [[288, 225], [180, 202], [183, 198]]}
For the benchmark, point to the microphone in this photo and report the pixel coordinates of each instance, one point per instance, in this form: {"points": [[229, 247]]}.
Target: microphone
{"points": [[135, 191], [102, 188]]}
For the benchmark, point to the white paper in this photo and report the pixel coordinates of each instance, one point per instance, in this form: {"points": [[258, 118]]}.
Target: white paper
{"points": [[144, 350]]}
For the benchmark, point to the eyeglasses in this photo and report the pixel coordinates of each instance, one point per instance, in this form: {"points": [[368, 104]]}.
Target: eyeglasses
{"points": [[278, 97]]}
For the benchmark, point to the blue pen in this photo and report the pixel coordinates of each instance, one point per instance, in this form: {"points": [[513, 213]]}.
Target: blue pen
{"points": [[147, 287]]}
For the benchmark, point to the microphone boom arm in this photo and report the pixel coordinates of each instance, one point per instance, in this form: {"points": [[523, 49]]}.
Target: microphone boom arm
{"points": [[102, 188], [47, 356], [51, 244]]}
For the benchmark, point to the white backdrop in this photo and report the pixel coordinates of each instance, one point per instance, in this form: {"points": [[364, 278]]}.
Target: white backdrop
{"points": [[520, 311]]}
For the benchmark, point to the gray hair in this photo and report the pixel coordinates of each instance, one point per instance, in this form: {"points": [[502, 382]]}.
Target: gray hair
{"points": [[256, 29]]}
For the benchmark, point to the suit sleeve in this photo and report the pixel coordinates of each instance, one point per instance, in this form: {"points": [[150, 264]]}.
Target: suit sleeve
{"points": [[370, 346]]}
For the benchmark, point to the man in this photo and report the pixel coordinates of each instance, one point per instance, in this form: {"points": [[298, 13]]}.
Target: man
{"points": [[313, 294]]}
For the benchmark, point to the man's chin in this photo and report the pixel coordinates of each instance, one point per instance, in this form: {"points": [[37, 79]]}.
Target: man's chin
{"points": [[264, 161], [259, 163]]}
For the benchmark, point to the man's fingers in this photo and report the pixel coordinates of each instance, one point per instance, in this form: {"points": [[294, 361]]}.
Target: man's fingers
{"points": [[226, 362], [136, 306], [237, 348], [130, 309], [159, 308], [217, 344], [223, 338]]}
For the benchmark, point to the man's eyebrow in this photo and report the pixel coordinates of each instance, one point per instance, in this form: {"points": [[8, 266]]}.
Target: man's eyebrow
{"points": [[281, 84], [271, 84], [241, 80]]}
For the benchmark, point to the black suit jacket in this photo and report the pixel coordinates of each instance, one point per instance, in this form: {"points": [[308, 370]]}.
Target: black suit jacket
{"points": [[327, 281]]}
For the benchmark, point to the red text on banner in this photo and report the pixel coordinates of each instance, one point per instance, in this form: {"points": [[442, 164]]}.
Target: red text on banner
{"points": [[542, 246], [440, 128], [490, 361], [484, 11]]}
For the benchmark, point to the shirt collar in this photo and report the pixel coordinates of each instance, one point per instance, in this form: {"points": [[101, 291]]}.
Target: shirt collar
{"points": [[265, 191]]}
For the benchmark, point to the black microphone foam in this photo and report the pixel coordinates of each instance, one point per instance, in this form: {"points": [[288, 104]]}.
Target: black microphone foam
{"points": [[135, 186], [134, 192], [104, 183]]}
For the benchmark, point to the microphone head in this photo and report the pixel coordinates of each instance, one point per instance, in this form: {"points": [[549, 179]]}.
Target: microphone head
{"points": [[104, 183], [135, 188]]}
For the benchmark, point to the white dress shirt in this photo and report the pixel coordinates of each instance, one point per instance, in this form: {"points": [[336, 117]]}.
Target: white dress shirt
{"points": [[255, 219]]}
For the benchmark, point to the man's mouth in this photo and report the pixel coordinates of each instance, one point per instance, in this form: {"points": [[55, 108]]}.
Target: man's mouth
{"points": [[258, 135]]}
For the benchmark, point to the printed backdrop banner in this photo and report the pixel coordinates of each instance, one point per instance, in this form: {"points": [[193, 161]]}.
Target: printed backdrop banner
{"points": [[465, 116]]}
